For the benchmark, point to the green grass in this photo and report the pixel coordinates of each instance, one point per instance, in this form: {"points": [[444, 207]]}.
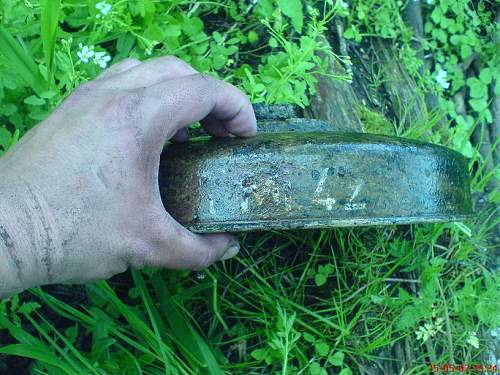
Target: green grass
{"points": [[49, 22], [20, 61], [266, 312], [313, 302]]}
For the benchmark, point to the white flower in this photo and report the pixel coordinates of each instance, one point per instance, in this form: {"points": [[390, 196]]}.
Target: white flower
{"points": [[438, 324], [85, 53], [472, 340], [201, 275], [495, 332], [150, 46], [429, 330], [313, 12], [101, 59], [344, 5], [104, 8], [441, 79], [493, 360]]}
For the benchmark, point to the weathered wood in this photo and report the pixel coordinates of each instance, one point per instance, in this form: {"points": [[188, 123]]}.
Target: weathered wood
{"points": [[343, 104], [408, 104], [335, 100], [412, 16], [495, 105]]}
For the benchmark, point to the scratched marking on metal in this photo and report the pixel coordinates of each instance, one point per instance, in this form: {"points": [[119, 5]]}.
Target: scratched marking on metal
{"points": [[311, 180]]}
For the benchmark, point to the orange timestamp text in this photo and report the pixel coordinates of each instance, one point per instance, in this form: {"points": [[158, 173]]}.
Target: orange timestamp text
{"points": [[476, 368]]}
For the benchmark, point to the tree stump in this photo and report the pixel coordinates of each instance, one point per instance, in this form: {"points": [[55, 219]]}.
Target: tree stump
{"points": [[336, 100]]}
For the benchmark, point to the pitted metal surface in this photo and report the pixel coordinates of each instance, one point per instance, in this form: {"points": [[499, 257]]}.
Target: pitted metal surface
{"points": [[314, 179]]}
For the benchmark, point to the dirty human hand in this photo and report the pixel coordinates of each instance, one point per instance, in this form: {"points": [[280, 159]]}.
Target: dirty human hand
{"points": [[79, 195]]}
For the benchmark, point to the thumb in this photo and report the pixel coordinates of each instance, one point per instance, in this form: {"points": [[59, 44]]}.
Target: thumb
{"points": [[173, 246]]}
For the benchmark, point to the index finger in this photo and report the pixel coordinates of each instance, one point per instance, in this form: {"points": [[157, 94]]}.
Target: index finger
{"points": [[176, 103]]}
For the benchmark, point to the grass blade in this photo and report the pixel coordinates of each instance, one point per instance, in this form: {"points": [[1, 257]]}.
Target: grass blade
{"points": [[188, 340], [36, 353], [49, 19], [31, 347], [21, 62], [68, 346], [154, 316], [69, 312]]}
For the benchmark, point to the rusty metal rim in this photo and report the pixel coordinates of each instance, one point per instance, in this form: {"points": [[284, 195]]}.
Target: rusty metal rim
{"points": [[301, 223]]}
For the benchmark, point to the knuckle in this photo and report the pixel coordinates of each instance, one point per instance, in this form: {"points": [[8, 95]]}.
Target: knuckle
{"points": [[209, 83], [130, 99], [176, 63], [84, 90], [81, 94], [170, 59], [204, 77], [125, 107], [130, 60], [205, 84]]}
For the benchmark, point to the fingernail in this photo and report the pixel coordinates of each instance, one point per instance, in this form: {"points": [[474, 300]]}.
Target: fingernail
{"points": [[231, 251]]}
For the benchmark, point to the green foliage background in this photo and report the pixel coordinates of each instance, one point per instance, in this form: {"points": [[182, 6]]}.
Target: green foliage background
{"points": [[315, 302]]}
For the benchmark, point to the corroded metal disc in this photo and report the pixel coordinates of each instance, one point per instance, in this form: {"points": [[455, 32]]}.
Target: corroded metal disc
{"points": [[311, 180]]}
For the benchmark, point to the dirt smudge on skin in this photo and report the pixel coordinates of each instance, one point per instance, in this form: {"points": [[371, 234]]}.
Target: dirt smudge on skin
{"points": [[48, 247], [9, 245]]}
